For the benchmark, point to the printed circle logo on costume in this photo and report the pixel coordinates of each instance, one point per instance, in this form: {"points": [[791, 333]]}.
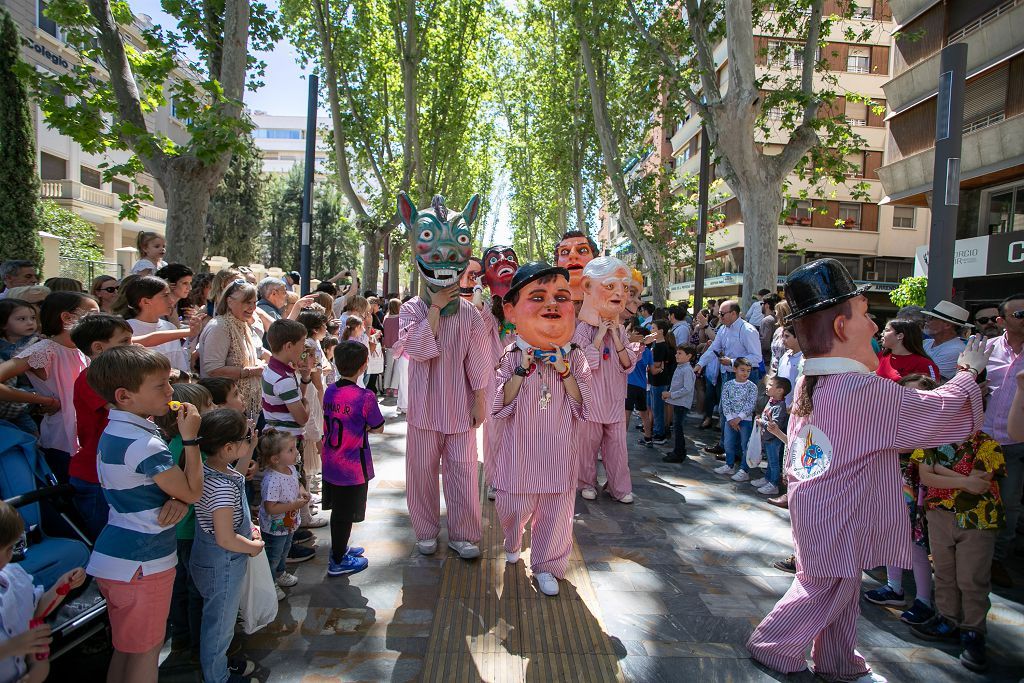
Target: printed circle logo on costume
{"points": [[812, 453]]}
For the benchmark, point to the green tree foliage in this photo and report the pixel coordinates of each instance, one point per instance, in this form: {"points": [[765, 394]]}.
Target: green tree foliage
{"points": [[78, 236], [235, 218], [282, 214], [911, 292], [19, 189], [119, 78]]}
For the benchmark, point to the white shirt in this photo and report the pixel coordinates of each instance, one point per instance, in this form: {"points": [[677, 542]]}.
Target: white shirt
{"points": [[739, 340], [681, 332], [146, 264], [173, 350], [790, 367], [945, 354], [754, 315]]}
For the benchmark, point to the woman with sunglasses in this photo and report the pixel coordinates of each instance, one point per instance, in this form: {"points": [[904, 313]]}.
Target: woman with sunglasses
{"points": [[231, 345], [105, 288]]}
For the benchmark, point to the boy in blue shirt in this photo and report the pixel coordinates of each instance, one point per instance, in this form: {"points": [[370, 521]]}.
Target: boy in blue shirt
{"points": [[636, 387]]}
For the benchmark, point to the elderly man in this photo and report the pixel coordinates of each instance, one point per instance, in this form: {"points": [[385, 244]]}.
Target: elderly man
{"points": [[755, 314], [273, 296], [1006, 362], [942, 325], [987, 321], [17, 273]]}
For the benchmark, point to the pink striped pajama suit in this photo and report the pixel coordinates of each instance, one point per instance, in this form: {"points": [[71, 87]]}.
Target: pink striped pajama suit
{"points": [[847, 509], [444, 373], [492, 428], [605, 428], [535, 466]]}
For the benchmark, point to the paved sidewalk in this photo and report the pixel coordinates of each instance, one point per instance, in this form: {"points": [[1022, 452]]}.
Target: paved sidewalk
{"points": [[684, 575]]}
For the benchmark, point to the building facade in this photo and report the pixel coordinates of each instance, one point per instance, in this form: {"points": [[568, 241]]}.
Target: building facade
{"points": [[877, 243], [989, 263], [282, 141], [72, 177]]}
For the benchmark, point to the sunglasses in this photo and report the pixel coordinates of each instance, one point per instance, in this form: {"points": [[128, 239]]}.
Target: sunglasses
{"points": [[1019, 315], [109, 290], [985, 320]]}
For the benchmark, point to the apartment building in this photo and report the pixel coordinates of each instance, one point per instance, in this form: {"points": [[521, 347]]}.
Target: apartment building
{"points": [[876, 243], [989, 262], [72, 177], [282, 141]]}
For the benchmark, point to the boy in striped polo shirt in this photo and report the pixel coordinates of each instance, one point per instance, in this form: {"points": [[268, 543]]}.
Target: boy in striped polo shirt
{"points": [[135, 555], [284, 405]]}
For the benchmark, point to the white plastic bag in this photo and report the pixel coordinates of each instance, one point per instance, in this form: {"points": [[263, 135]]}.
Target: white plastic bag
{"points": [[375, 364], [754, 446], [259, 598]]}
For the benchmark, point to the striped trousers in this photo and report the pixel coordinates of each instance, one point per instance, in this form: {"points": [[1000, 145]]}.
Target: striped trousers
{"points": [[821, 612], [453, 456], [550, 518], [493, 430], [610, 440]]}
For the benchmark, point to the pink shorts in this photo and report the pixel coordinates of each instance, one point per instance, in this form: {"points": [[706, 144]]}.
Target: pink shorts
{"points": [[138, 610]]}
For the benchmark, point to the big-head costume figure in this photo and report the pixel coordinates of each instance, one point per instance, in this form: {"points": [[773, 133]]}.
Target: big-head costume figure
{"points": [[599, 332], [443, 336], [847, 428], [573, 252], [542, 390]]}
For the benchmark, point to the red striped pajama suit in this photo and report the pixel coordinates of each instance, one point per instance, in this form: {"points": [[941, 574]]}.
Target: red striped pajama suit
{"points": [[605, 428], [535, 466], [492, 428], [847, 509], [444, 373]]}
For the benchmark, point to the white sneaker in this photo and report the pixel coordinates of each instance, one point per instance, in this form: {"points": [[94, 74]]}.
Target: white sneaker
{"points": [[871, 677], [492, 493], [315, 522], [511, 558], [287, 580], [723, 469], [741, 476], [758, 483], [589, 493], [427, 547], [280, 593], [547, 583], [627, 499], [465, 549], [769, 490]]}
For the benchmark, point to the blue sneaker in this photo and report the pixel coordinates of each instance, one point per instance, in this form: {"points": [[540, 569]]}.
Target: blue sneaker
{"points": [[919, 613], [348, 565], [938, 628], [355, 551], [886, 596]]}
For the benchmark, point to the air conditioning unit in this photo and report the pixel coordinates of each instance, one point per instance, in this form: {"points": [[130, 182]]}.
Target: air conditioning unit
{"points": [[871, 275]]}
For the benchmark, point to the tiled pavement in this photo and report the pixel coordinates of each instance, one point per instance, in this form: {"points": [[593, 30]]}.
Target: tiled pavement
{"points": [[681, 578]]}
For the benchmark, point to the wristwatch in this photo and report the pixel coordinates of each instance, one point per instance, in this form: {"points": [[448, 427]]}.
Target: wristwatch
{"points": [[521, 371], [190, 442]]}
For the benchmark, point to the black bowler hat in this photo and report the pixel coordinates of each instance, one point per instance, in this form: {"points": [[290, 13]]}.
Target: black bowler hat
{"points": [[819, 285], [534, 270]]}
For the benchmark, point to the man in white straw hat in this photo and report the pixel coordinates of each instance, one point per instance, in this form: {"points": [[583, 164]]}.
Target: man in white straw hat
{"points": [[943, 327]]}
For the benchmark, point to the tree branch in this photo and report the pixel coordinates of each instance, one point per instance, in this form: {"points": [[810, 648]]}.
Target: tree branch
{"points": [[810, 62], [666, 58], [705, 54]]}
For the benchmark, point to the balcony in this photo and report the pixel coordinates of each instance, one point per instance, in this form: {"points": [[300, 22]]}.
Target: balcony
{"points": [[905, 10], [985, 151], [98, 206], [987, 45], [832, 240]]}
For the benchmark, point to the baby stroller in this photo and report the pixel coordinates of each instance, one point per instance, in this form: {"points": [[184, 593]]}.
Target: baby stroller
{"points": [[53, 543]]}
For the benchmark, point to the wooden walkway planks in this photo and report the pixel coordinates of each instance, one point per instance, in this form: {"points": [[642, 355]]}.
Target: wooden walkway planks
{"points": [[492, 624]]}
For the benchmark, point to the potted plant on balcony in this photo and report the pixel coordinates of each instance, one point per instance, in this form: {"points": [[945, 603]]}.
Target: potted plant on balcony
{"points": [[849, 224], [790, 220], [805, 221]]}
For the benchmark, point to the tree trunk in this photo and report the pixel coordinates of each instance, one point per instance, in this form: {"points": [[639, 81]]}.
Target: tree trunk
{"points": [[188, 200], [395, 264], [372, 245], [760, 206]]}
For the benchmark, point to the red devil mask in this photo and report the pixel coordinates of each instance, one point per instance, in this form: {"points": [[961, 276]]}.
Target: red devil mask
{"points": [[500, 264]]}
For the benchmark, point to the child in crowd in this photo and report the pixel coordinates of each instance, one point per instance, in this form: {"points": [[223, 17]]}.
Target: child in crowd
{"points": [[773, 422], [791, 361], [313, 432], [135, 555], [144, 302], [330, 373], [186, 602], [636, 384], [52, 365], [351, 413], [283, 497], [739, 398], [223, 392], [20, 603], [680, 397], [18, 326], [225, 539], [151, 248], [93, 335], [965, 513]]}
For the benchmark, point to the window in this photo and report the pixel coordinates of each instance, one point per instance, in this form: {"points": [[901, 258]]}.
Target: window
{"points": [[776, 113], [1005, 210], [277, 133], [849, 213], [892, 270], [863, 11], [856, 113], [803, 210], [858, 61], [90, 177], [785, 54], [789, 262], [45, 24], [851, 263], [52, 167], [903, 217], [118, 186]]}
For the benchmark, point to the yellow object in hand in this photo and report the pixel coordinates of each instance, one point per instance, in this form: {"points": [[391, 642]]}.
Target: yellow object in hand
{"points": [[174, 405]]}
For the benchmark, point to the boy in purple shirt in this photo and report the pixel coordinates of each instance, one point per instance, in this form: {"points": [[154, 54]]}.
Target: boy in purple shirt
{"points": [[350, 414]]}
